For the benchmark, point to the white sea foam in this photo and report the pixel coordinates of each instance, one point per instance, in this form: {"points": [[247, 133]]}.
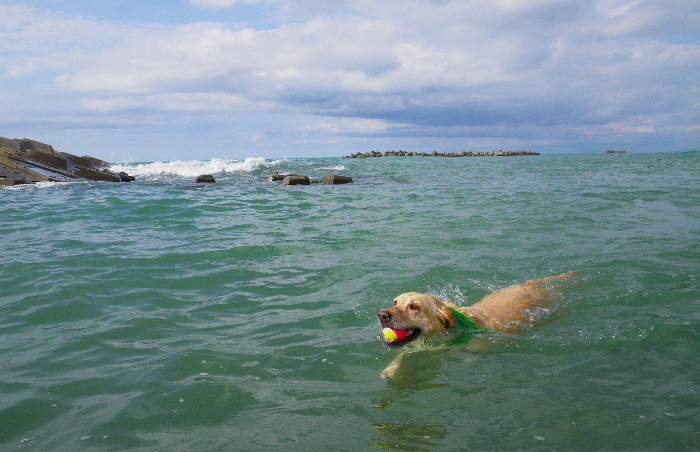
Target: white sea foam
{"points": [[40, 185], [334, 168], [192, 168]]}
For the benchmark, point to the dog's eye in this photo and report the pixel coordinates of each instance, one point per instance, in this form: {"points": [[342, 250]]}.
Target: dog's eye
{"points": [[395, 302], [413, 307]]}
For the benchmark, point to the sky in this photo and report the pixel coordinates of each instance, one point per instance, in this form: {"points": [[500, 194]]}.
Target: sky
{"points": [[162, 80]]}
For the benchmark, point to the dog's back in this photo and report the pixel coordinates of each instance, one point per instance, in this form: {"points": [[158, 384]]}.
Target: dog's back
{"points": [[509, 310]]}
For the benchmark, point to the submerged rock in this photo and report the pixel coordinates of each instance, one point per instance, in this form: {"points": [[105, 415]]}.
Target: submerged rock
{"points": [[296, 180], [335, 179], [125, 177], [24, 161], [205, 178], [276, 176]]}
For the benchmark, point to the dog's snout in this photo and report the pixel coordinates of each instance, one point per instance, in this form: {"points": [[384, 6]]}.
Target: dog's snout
{"points": [[384, 315]]}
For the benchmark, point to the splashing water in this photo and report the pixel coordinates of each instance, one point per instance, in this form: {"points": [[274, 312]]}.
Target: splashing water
{"points": [[192, 168]]}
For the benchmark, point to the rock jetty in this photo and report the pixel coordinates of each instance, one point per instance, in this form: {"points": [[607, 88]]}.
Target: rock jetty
{"points": [[500, 153], [25, 161]]}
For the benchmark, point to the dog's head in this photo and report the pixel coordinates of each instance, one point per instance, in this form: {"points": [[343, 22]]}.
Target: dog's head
{"points": [[415, 314]]}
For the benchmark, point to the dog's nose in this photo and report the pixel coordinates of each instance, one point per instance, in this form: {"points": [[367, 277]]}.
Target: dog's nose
{"points": [[384, 315]]}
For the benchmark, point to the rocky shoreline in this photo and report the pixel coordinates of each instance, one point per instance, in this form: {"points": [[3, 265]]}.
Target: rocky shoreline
{"points": [[25, 161], [500, 153]]}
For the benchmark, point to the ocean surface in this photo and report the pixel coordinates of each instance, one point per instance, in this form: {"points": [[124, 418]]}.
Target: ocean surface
{"points": [[241, 316]]}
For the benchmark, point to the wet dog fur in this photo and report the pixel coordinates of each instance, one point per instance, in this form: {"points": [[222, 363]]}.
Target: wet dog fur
{"points": [[508, 310]]}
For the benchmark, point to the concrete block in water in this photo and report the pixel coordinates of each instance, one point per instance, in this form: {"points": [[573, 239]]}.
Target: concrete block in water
{"points": [[335, 179], [296, 180], [205, 178]]}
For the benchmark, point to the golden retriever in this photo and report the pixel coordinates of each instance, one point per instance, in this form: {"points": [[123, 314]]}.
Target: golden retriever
{"points": [[416, 315]]}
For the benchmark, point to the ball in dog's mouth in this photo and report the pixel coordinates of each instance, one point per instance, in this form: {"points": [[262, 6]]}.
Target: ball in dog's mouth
{"points": [[394, 338]]}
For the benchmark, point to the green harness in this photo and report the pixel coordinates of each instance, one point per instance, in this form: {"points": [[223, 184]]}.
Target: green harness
{"points": [[466, 329]]}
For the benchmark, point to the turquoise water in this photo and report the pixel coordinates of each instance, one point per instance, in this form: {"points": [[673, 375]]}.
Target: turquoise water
{"points": [[153, 316]]}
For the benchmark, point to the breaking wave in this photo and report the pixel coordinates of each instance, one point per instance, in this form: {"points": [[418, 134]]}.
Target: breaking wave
{"points": [[193, 168]]}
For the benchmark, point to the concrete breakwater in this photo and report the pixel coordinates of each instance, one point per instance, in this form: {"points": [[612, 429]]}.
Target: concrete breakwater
{"points": [[500, 153], [25, 161], [293, 179]]}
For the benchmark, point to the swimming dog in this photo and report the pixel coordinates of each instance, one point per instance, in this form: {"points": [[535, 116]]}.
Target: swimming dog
{"points": [[416, 315]]}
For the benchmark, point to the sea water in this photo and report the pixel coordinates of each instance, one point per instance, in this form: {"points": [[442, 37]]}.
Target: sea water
{"points": [[241, 316]]}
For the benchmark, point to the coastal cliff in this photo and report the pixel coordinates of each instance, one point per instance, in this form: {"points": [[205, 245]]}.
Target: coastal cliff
{"points": [[25, 161]]}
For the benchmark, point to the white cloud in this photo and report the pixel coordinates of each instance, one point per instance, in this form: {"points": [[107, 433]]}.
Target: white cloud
{"points": [[384, 67], [527, 6], [222, 4], [646, 18], [35, 41], [169, 102], [352, 126]]}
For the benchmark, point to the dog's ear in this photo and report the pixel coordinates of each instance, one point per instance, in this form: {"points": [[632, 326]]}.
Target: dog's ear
{"points": [[446, 316]]}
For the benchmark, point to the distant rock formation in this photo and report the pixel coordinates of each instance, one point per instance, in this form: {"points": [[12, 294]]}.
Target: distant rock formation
{"points": [[25, 161], [612, 151], [500, 153]]}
